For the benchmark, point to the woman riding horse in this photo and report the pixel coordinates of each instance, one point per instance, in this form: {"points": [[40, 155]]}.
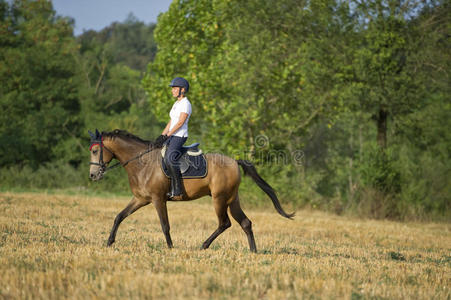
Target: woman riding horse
{"points": [[142, 162], [175, 135]]}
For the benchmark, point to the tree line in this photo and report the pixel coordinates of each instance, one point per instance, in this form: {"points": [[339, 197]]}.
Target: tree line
{"points": [[344, 104]]}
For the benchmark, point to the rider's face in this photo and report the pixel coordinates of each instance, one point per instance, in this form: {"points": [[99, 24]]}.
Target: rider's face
{"points": [[175, 91]]}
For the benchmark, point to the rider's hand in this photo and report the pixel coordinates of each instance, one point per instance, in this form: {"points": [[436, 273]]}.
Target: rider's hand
{"points": [[160, 140]]}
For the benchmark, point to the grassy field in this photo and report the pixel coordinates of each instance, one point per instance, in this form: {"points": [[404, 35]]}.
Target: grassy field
{"points": [[53, 246]]}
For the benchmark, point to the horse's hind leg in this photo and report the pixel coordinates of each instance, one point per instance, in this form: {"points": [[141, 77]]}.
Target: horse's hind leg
{"points": [[242, 219], [223, 218]]}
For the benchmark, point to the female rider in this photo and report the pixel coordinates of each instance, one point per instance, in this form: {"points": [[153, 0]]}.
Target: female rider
{"points": [[175, 134]]}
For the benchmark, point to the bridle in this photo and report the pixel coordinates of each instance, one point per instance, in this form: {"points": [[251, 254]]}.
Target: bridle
{"points": [[103, 166], [101, 163]]}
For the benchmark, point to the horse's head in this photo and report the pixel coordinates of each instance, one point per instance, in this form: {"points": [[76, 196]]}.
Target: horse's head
{"points": [[99, 157]]}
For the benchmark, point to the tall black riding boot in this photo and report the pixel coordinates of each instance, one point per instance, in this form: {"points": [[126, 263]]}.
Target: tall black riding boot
{"points": [[176, 192]]}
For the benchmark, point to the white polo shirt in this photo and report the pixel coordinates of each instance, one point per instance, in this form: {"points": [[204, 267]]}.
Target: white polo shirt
{"points": [[180, 106]]}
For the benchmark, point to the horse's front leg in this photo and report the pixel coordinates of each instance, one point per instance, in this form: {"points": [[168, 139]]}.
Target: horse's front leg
{"points": [[160, 206], [133, 206]]}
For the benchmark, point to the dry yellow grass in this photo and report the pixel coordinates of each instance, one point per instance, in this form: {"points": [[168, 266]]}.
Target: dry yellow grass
{"points": [[53, 246]]}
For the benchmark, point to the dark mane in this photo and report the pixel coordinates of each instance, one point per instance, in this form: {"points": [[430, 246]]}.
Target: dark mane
{"points": [[126, 135]]}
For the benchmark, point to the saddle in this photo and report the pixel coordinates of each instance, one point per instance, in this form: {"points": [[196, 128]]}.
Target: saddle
{"points": [[192, 162]]}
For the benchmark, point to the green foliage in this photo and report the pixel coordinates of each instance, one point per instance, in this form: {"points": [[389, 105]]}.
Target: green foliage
{"points": [[129, 43], [342, 105], [110, 63], [55, 87], [330, 78], [376, 169], [38, 95], [253, 59], [51, 175], [60, 176]]}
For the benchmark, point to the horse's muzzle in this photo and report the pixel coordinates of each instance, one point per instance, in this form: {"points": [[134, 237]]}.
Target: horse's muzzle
{"points": [[96, 176]]}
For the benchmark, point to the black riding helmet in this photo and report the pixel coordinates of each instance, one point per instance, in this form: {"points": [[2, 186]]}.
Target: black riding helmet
{"points": [[180, 82]]}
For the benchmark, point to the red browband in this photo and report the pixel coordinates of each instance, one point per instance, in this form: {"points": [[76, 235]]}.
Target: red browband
{"points": [[100, 144]]}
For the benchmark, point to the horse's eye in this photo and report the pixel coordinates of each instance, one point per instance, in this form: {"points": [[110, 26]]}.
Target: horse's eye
{"points": [[95, 151]]}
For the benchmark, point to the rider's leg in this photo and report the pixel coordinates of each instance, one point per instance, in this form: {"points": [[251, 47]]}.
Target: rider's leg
{"points": [[173, 153]]}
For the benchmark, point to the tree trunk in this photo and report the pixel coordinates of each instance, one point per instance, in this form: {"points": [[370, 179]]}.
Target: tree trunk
{"points": [[382, 128]]}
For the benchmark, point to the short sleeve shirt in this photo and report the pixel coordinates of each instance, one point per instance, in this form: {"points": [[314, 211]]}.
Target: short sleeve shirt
{"points": [[180, 106]]}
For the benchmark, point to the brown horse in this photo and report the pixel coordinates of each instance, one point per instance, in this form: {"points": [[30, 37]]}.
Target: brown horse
{"points": [[142, 161]]}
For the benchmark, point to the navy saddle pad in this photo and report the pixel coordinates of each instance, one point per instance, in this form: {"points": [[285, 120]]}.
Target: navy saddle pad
{"points": [[191, 166]]}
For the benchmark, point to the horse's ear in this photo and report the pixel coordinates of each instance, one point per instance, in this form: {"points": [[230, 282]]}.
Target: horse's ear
{"points": [[97, 133], [93, 136]]}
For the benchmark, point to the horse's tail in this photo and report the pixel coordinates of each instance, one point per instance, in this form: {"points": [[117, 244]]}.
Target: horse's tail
{"points": [[250, 170]]}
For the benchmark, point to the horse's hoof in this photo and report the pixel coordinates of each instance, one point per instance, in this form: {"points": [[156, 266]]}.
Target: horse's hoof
{"points": [[174, 197]]}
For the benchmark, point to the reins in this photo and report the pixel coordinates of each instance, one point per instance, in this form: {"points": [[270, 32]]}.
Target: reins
{"points": [[104, 168], [126, 162]]}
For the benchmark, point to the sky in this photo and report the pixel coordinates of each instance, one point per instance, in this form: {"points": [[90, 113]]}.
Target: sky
{"points": [[98, 14]]}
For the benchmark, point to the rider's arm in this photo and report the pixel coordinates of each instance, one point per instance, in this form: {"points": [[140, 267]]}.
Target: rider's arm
{"points": [[166, 130], [179, 124]]}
